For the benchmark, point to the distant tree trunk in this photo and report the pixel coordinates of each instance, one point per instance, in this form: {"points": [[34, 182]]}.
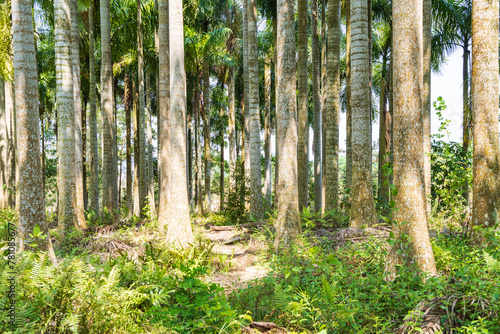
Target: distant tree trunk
{"points": [[384, 141], [245, 150], [426, 100], [254, 114], [323, 103], [109, 177], [221, 199], [288, 222], [94, 149], [67, 217], [137, 152], [43, 158], [302, 103], [128, 101], [408, 144], [348, 106], [362, 204], [199, 189], [485, 107], [151, 178], [7, 145], [206, 135], [276, 153], [467, 115], [179, 225], [332, 109], [190, 159], [267, 134], [31, 199], [316, 106]]}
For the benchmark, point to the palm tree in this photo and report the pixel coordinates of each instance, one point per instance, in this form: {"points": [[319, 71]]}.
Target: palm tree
{"points": [[206, 134], [127, 97], [426, 99], [485, 102], [65, 117], [179, 225], [31, 198], [332, 107], [77, 101], [253, 113], [348, 107], [267, 132], [411, 218], [288, 222], [151, 186], [7, 144], [94, 150], [362, 204], [316, 106], [302, 87], [109, 175]]}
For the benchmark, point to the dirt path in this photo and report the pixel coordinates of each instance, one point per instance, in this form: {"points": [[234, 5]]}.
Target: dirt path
{"points": [[246, 256]]}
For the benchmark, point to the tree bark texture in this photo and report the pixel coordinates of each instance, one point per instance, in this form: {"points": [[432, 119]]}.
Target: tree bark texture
{"points": [[267, 134], [206, 135], [7, 145]]}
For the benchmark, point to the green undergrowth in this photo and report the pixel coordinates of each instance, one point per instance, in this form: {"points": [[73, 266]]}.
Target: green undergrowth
{"points": [[316, 287]]}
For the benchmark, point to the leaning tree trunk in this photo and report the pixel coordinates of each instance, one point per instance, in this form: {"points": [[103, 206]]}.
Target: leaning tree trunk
{"points": [[267, 134], [485, 107], [179, 226], [302, 88], [288, 222], [67, 217], [362, 204], [316, 106], [206, 135], [426, 99], [332, 109], [94, 149], [7, 146], [109, 177], [31, 199], [141, 121], [77, 101], [254, 114], [411, 217]]}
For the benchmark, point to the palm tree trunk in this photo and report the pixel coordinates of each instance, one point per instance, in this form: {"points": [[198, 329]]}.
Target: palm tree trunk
{"points": [[128, 101], [232, 128], [109, 177], [362, 204], [348, 108], [288, 222], [332, 109], [75, 56], [467, 117], [485, 126], [179, 225], [206, 135], [426, 99], [246, 108], [67, 217], [221, 199], [94, 149], [323, 103], [143, 185], [190, 160], [7, 145], [31, 199], [316, 106], [137, 152], [267, 135], [384, 141], [254, 115], [302, 88], [151, 178], [408, 144]]}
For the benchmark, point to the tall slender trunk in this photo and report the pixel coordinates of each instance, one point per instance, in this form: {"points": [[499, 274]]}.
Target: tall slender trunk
{"points": [[109, 177], [362, 204], [199, 191], [137, 152], [384, 141], [190, 159], [141, 121], [288, 222], [485, 126], [94, 149], [426, 99], [31, 199], [348, 108], [408, 145], [467, 115], [302, 103], [316, 106], [128, 101], [323, 102], [7, 145], [43, 157], [267, 134], [276, 153], [67, 216], [77, 101], [179, 225], [254, 114], [206, 135], [221, 199], [151, 172], [246, 108], [232, 128]]}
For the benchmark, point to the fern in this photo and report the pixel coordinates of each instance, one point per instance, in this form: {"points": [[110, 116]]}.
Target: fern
{"points": [[491, 263]]}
